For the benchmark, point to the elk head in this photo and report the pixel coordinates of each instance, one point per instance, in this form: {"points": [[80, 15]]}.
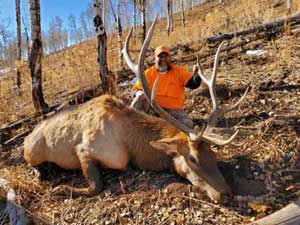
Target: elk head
{"points": [[190, 148]]}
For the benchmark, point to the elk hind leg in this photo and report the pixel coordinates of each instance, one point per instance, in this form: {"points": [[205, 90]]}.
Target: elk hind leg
{"points": [[95, 182]]}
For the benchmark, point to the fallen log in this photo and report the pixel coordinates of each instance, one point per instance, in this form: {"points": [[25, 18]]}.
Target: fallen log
{"points": [[212, 53], [289, 215], [19, 123], [17, 137], [264, 27]]}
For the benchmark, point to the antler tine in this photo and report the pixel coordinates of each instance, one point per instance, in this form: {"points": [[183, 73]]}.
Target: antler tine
{"points": [[217, 111], [211, 82], [216, 63], [218, 140], [167, 116], [126, 55], [140, 71], [230, 108]]}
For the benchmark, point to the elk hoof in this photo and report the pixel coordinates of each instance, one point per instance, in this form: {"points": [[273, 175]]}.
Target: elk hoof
{"points": [[61, 190]]}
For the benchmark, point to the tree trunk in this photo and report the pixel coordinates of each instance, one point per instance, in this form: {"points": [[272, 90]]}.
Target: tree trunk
{"points": [[169, 16], [35, 58], [134, 20], [27, 37], [107, 82], [119, 28], [289, 4], [19, 42], [143, 17], [182, 13], [103, 11]]}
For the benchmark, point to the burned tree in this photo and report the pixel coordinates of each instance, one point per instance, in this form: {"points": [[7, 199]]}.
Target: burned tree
{"points": [[182, 13], [35, 58], [19, 42], [169, 16], [107, 81], [119, 30], [134, 19], [143, 18]]}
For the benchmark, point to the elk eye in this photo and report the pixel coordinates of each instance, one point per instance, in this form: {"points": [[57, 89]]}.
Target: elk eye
{"points": [[192, 159]]}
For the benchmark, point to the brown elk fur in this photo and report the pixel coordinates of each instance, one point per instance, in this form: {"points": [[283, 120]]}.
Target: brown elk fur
{"points": [[106, 132]]}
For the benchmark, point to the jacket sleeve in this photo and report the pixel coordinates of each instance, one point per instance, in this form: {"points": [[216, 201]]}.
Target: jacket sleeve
{"points": [[194, 82]]}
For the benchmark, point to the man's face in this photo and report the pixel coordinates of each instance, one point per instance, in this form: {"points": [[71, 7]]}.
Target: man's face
{"points": [[163, 62]]}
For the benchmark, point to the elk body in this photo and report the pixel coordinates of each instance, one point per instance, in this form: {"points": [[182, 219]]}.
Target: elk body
{"points": [[105, 132]]}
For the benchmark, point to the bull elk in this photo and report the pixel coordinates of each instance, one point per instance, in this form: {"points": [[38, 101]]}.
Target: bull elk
{"points": [[107, 133]]}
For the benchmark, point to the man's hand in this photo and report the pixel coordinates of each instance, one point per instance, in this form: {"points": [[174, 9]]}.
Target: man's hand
{"points": [[195, 69]]}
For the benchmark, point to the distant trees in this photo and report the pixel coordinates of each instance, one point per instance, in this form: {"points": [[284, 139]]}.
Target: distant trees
{"points": [[75, 34], [56, 38], [78, 28]]}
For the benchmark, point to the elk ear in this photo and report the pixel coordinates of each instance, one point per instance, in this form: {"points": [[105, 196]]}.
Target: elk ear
{"points": [[167, 145]]}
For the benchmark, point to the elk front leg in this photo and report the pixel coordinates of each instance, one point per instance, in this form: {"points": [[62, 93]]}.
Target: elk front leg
{"points": [[92, 174]]}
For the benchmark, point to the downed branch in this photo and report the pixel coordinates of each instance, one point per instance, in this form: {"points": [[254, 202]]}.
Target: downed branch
{"points": [[77, 98], [211, 53], [287, 216], [264, 27]]}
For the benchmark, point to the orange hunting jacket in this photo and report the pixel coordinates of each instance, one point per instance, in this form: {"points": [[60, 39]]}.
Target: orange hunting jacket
{"points": [[170, 88]]}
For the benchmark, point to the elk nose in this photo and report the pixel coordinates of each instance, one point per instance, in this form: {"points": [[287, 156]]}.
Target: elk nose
{"points": [[214, 195], [220, 197]]}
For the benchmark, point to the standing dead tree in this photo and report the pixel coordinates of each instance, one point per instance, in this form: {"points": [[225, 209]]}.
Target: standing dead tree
{"points": [[182, 13], [35, 58], [169, 16], [25, 25], [143, 18], [107, 81], [19, 42], [119, 31], [134, 19]]}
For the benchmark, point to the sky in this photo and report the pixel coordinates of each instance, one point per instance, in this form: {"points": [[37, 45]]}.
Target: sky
{"points": [[49, 9]]}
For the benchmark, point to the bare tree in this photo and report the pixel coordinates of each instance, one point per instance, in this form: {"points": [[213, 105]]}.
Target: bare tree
{"points": [[107, 81], [75, 32], [103, 11], [35, 58], [134, 19], [289, 4], [27, 48], [56, 35], [119, 28], [169, 16], [19, 42], [182, 13], [143, 18], [4, 41]]}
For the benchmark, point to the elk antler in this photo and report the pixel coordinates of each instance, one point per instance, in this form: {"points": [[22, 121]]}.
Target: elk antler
{"points": [[217, 110], [138, 69]]}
